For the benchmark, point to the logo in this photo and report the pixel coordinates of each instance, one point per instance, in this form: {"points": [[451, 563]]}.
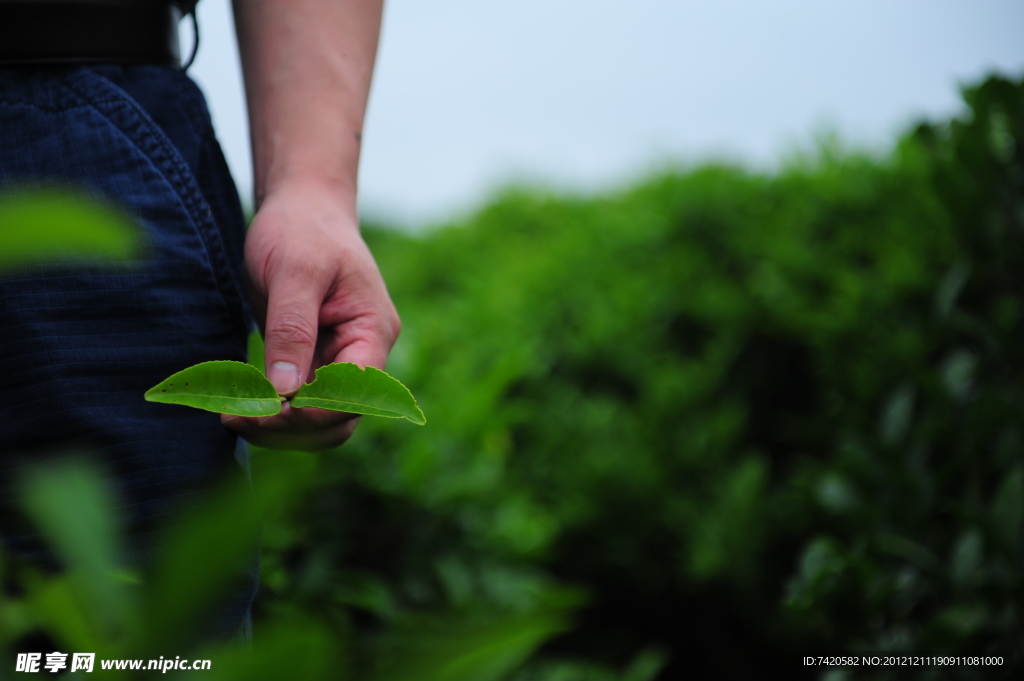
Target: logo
{"points": [[55, 662]]}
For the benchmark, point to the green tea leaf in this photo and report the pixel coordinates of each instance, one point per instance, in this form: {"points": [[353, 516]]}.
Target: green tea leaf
{"points": [[346, 387], [224, 387]]}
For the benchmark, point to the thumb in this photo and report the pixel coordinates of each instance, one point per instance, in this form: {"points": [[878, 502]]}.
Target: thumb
{"points": [[293, 311]]}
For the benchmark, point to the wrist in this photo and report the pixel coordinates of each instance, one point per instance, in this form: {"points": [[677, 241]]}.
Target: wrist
{"points": [[316, 191]]}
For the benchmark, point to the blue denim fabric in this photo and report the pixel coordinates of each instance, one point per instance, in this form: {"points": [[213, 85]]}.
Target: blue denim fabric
{"points": [[80, 345]]}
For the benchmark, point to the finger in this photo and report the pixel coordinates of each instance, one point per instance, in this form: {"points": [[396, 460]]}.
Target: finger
{"points": [[293, 309], [368, 351], [290, 418], [307, 418], [311, 440]]}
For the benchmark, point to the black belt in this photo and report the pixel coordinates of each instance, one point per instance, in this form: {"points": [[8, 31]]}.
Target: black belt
{"points": [[89, 31]]}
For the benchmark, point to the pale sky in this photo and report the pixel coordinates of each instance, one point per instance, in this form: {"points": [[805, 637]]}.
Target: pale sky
{"points": [[469, 95]]}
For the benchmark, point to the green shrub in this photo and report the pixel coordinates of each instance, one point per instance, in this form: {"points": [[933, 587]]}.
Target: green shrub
{"points": [[751, 416]]}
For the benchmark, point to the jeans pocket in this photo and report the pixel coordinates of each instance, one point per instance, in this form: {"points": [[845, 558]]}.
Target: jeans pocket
{"points": [[186, 219]]}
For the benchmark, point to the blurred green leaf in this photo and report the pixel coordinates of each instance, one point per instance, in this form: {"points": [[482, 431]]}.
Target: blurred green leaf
{"points": [[646, 665], [908, 549], [16, 618], [836, 494], [204, 552], [950, 288], [958, 373], [967, 557], [963, 619], [431, 650], [821, 564], [57, 604], [1008, 508], [59, 224], [896, 415], [295, 650], [69, 502]]}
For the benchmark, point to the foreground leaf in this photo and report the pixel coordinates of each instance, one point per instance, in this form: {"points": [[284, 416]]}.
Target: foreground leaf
{"points": [[295, 649], [201, 557], [61, 224], [346, 387], [70, 505], [463, 649], [224, 387]]}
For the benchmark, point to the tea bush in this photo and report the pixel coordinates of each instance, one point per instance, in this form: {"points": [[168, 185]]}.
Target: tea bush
{"points": [[744, 417]]}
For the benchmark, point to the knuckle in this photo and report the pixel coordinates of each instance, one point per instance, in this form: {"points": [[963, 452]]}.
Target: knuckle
{"points": [[394, 323], [290, 329], [298, 265]]}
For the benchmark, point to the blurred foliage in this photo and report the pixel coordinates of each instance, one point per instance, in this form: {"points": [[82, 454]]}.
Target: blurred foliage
{"points": [[60, 224], [726, 419], [750, 416]]}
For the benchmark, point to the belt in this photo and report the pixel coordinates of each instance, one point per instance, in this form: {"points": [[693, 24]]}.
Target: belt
{"points": [[89, 31]]}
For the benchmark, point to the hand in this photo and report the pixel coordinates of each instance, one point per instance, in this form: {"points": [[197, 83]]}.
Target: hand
{"points": [[312, 278]]}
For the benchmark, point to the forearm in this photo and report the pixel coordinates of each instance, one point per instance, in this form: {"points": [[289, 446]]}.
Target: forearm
{"points": [[308, 66]]}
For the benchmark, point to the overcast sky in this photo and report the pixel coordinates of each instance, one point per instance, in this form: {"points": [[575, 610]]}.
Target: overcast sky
{"points": [[585, 94]]}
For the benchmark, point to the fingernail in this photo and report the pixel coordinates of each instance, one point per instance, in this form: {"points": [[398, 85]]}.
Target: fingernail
{"points": [[285, 377], [228, 419], [274, 423]]}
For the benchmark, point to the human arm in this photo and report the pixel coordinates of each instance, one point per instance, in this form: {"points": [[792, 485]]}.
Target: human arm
{"points": [[307, 67]]}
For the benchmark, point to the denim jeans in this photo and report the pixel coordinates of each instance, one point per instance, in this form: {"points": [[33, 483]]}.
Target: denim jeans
{"points": [[80, 345]]}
